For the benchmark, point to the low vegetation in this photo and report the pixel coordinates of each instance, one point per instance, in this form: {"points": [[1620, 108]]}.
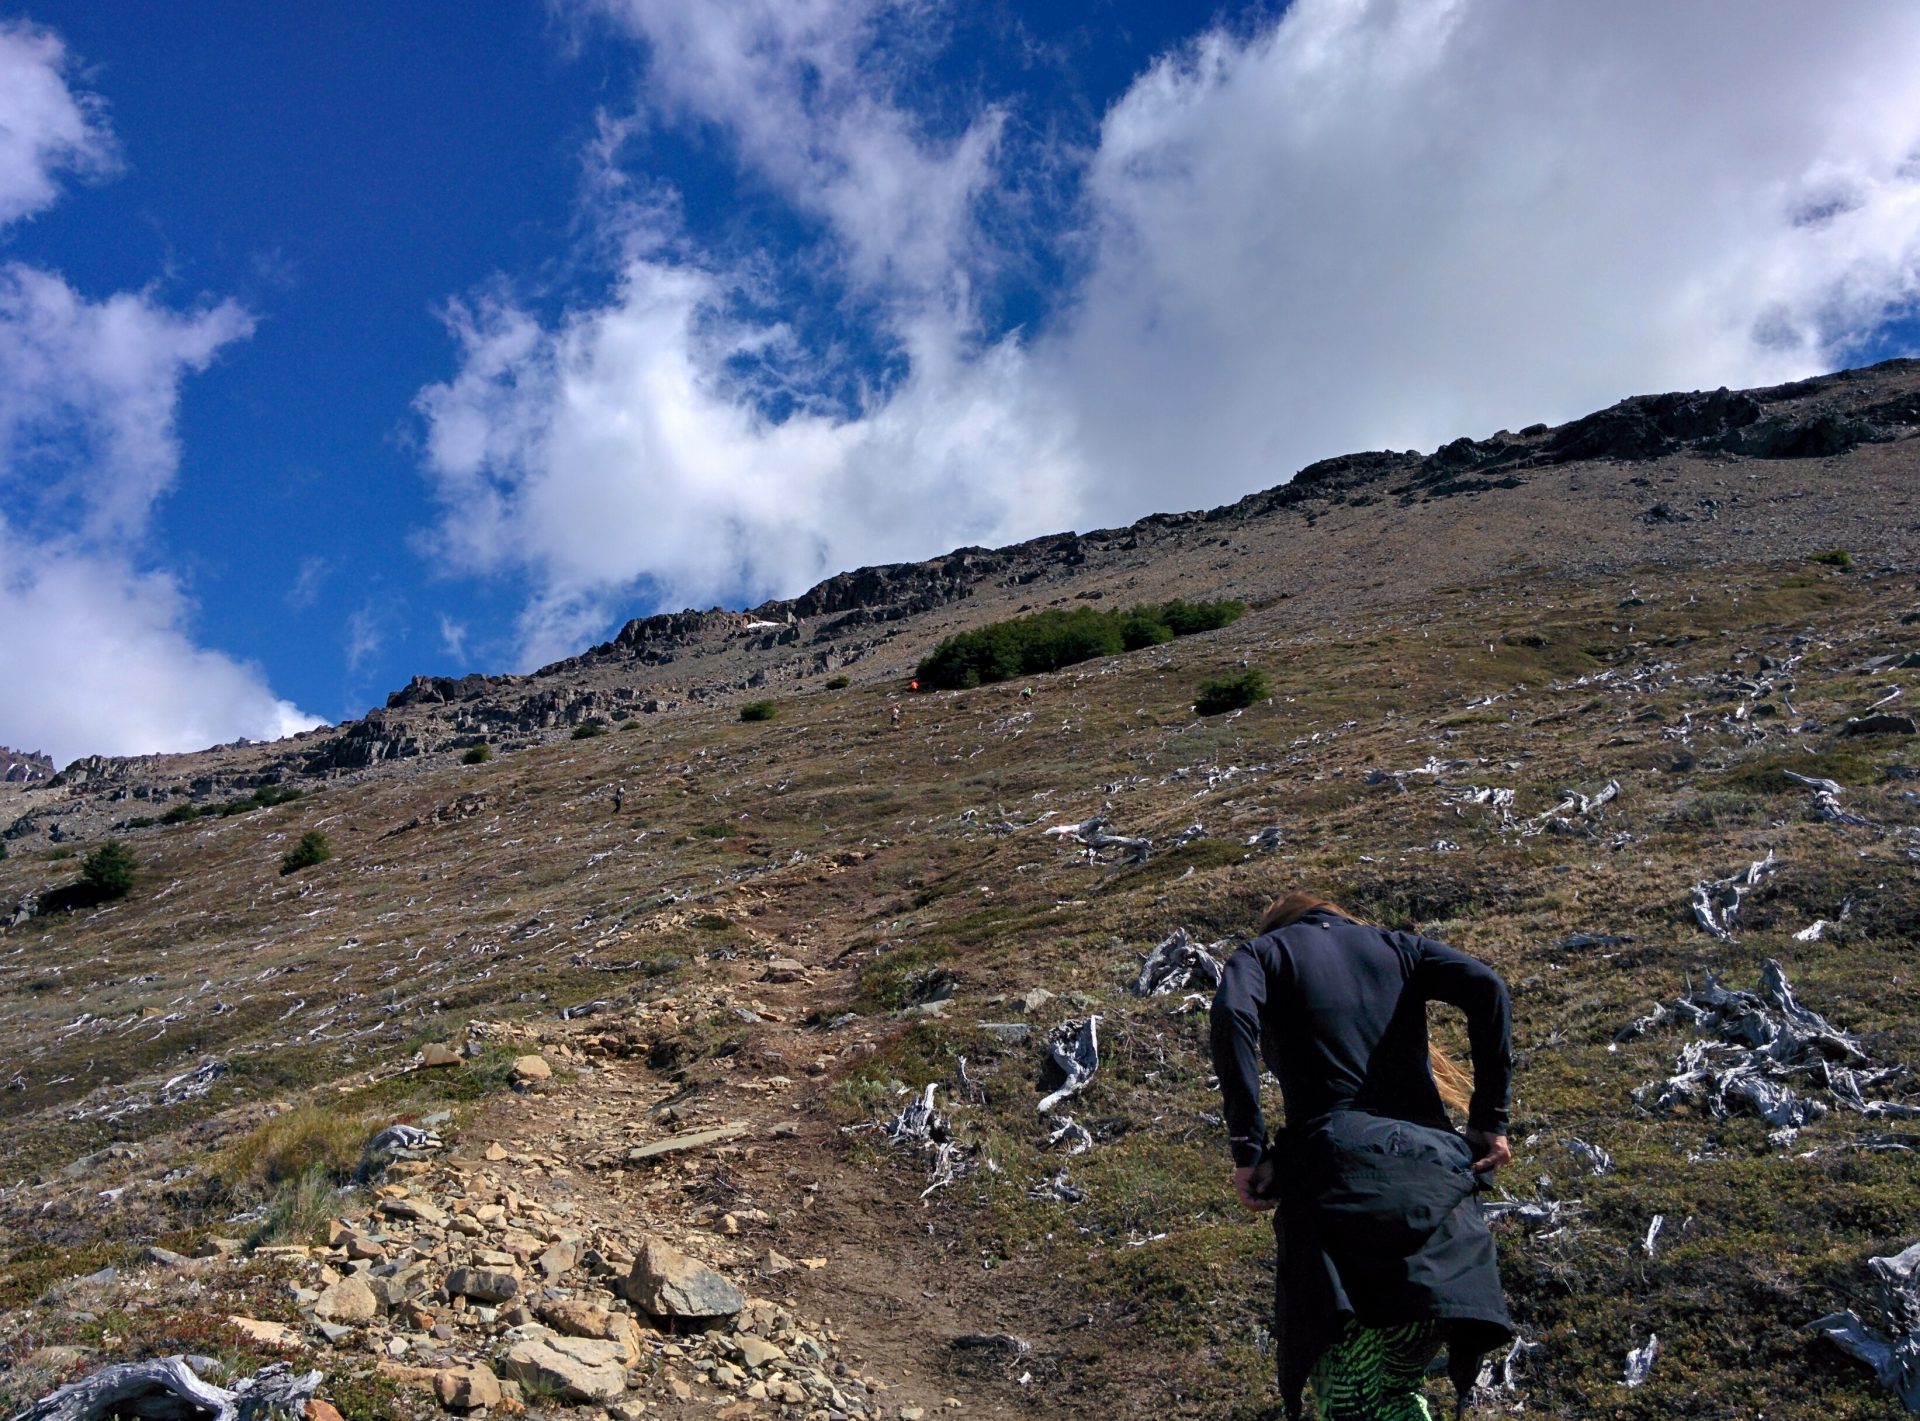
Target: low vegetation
{"points": [[1046, 641], [1219, 694], [588, 729], [477, 755], [759, 710], [265, 797], [109, 870], [313, 848]]}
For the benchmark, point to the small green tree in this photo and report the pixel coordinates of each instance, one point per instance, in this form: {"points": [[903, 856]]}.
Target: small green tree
{"points": [[109, 870], [839, 683], [478, 755], [313, 848], [587, 729], [759, 710], [1230, 693]]}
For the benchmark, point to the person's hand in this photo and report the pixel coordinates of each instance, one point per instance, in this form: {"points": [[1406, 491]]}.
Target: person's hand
{"points": [[1490, 1150], [1253, 1184]]}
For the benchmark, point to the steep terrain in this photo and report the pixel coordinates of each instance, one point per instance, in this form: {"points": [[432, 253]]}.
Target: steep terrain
{"points": [[740, 981]]}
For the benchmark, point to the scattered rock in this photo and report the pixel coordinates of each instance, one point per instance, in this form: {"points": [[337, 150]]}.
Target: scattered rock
{"points": [[667, 1283], [571, 1368], [437, 1053], [1882, 724], [529, 1069], [349, 1300], [756, 1353], [486, 1285], [269, 1334], [690, 1140], [466, 1387]]}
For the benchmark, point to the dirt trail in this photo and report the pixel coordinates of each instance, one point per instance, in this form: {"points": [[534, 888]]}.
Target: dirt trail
{"points": [[865, 1258]]}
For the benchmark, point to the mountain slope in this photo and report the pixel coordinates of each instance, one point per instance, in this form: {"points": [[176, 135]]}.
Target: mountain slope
{"points": [[795, 927]]}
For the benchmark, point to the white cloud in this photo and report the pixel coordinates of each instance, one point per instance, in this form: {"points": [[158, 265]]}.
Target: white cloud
{"points": [[307, 581], [88, 391], [99, 655], [99, 659], [804, 89], [610, 449], [364, 636], [453, 637], [1390, 223], [1372, 223], [45, 127]]}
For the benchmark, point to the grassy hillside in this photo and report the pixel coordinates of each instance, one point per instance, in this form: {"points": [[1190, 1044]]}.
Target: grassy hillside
{"points": [[905, 879]]}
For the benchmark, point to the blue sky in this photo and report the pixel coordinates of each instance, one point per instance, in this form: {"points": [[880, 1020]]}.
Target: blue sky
{"points": [[343, 342]]}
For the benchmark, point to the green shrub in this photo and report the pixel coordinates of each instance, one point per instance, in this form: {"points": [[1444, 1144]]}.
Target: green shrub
{"points": [[1833, 557], [313, 848], [759, 710], [587, 729], [1047, 641], [477, 755], [1231, 693], [263, 798], [139, 821], [839, 683], [109, 870], [3, 848]]}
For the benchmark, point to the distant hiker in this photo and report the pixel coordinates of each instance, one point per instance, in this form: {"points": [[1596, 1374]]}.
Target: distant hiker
{"points": [[619, 797], [1026, 693], [896, 717], [914, 686], [1383, 1255]]}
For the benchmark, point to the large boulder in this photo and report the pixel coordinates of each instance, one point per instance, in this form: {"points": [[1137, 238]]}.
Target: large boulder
{"points": [[667, 1283], [569, 1368]]}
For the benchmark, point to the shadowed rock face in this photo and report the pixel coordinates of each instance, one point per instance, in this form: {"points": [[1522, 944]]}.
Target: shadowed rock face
{"points": [[24, 766]]}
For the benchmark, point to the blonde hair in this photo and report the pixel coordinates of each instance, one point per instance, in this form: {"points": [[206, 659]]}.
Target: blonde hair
{"points": [[1449, 1077]]}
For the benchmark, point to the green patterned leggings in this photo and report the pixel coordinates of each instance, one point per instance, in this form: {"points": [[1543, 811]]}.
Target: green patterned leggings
{"points": [[1374, 1373]]}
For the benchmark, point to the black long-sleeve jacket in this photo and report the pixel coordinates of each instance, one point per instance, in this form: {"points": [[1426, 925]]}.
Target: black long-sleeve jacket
{"points": [[1338, 1010]]}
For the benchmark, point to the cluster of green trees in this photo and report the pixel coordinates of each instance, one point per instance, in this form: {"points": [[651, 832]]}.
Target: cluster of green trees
{"points": [[1047, 641]]}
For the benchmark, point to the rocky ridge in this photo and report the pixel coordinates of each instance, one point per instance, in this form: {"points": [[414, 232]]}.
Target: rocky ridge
{"points": [[848, 623]]}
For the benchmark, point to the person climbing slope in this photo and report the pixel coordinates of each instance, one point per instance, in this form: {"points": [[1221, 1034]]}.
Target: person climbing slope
{"points": [[1383, 1255]]}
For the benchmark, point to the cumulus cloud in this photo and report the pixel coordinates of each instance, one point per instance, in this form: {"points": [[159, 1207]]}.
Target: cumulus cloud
{"points": [[610, 449], [99, 655], [99, 659], [1390, 223], [1369, 223]]}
